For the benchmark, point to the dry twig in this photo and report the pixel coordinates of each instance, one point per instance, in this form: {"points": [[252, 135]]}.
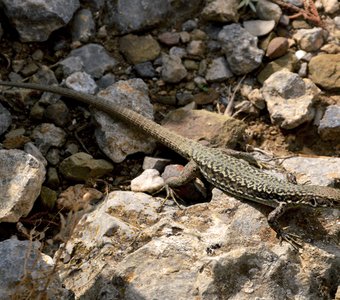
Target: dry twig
{"points": [[230, 106], [309, 12]]}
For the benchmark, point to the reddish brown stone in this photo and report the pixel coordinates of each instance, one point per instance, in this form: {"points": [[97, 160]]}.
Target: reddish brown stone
{"points": [[169, 38], [277, 47]]}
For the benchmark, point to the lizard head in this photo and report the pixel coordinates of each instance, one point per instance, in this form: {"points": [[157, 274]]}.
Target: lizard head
{"points": [[323, 197]]}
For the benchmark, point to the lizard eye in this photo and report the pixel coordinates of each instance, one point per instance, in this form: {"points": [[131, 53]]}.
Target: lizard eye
{"points": [[313, 202]]}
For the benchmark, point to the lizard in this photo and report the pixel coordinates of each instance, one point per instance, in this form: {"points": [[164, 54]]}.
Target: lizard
{"points": [[234, 176]]}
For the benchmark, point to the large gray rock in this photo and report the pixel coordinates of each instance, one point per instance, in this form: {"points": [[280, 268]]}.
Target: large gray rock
{"points": [[26, 273], [115, 138], [218, 250], [289, 99], [35, 20], [240, 48], [322, 170], [105, 232], [21, 177], [134, 15], [95, 59]]}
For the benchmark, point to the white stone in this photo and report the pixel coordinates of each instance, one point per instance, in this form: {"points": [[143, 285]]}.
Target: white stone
{"points": [[331, 6], [81, 82], [149, 181], [300, 54]]}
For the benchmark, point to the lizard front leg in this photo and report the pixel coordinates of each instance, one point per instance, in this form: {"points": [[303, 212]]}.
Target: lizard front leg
{"points": [[272, 219], [188, 174]]}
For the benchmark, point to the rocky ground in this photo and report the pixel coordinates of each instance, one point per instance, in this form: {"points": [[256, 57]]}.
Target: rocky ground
{"points": [[78, 213]]}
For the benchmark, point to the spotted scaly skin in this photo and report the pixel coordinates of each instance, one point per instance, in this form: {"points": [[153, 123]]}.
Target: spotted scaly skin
{"points": [[234, 176], [239, 179]]}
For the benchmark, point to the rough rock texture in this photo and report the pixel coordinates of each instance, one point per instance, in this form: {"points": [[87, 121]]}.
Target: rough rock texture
{"points": [[222, 131], [47, 135], [36, 20], [24, 272], [138, 49], [289, 99], [21, 177], [218, 250], [287, 61], [329, 127], [324, 70], [240, 48], [5, 119], [221, 11], [173, 70], [115, 138], [311, 170], [134, 15], [309, 39], [105, 240], [95, 59], [82, 166]]}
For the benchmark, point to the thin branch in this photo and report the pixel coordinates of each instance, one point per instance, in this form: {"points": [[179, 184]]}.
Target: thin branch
{"points": [[230, 106], [309, 12]]}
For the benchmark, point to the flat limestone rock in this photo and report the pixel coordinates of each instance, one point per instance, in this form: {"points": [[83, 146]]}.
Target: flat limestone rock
{"points": [[202, 125], [217, 250]]}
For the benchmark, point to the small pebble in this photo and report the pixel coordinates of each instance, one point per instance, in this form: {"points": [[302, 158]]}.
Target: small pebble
{"points": [[149, 181], [259, 27]]}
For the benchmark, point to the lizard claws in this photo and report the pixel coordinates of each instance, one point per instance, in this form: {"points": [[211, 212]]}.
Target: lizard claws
{"points": [[170, 194], [294, 240]]}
